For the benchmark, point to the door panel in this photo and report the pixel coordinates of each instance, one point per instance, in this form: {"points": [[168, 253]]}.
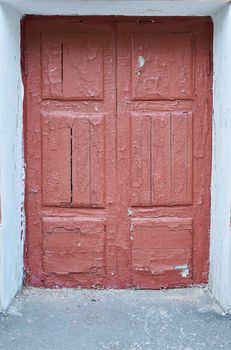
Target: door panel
{"points": [[118, 152], [161, 158], [161, 248], [72, 65], [88, 162], [73, 160], [74, 245], [161, 65], [56, 156]]}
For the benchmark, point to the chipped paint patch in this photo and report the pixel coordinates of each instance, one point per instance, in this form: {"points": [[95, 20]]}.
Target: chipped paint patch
{"points": [[130, 212], [141, 61], [184, 270], [140, 64]]}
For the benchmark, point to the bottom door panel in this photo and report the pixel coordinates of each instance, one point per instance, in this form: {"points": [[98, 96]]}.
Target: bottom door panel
{"points": [[161, 251], [74, 246]]}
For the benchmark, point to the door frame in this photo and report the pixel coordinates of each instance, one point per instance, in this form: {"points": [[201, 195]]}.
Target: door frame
{"points": [[12, 203]]}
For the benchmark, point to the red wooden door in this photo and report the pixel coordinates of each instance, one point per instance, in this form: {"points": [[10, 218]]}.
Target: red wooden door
{"points": [[118, 152]]}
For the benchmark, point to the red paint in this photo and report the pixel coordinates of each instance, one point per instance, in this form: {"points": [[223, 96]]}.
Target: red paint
{"points": [[118, 151]]}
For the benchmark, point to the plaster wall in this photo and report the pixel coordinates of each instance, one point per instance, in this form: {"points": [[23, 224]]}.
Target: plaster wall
{"points": [[119, 7], [220, 248], [11, 95], [11, 92]]}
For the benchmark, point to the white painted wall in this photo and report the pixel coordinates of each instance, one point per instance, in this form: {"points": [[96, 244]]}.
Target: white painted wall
{"points": [[119, 7], [11, 94], [11, 91], [220, 249]]}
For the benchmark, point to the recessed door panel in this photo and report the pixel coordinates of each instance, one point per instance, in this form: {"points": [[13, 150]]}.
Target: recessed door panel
{"points": [[72, 66], [89, 162], [74, 245], [162, 66], [56, 156], [161, 157], [161, 247]]}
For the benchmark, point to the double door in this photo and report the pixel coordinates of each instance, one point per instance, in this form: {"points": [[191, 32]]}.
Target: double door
{"points": [[118, 152]]}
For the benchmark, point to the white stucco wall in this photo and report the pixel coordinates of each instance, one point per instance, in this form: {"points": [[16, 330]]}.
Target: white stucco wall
{"points": [[220, 249], [11, 94], [119, 7]]}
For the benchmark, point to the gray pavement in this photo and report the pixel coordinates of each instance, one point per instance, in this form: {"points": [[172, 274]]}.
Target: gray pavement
{"points": [[180, 319]]}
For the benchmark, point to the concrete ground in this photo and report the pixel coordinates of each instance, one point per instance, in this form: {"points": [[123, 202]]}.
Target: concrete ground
{"points": [[183, 319]]}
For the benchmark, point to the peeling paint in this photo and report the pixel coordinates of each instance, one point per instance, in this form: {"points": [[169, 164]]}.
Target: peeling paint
{"points": [[141, 61], [184, 270], [140, 64], [130, 212]]}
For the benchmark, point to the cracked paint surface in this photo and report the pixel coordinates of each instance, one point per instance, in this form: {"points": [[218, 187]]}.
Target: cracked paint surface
{"points": [[118, 152]]}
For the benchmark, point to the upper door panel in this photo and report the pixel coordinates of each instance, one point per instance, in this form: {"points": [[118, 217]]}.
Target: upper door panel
{"points": [[72, 65], [162, 66]]}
